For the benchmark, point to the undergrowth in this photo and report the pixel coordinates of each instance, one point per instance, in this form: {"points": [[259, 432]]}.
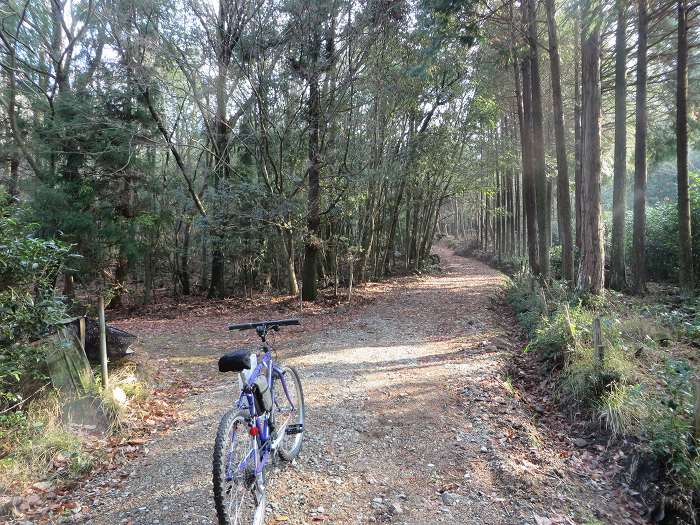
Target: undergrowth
{"points": [[36, 443], [642, 387], [39, 433]]}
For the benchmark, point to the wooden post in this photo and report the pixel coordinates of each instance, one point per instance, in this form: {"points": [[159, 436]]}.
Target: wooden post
{"points": [[81, 324], [598, 342], [697, 410], [569, 327], [103, 339], [543, 300]]}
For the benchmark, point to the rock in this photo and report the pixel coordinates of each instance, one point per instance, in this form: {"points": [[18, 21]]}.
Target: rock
{"points": [[5, 506], [32, 500], [488, 346], [484, 449], [119, 396], [395, 508], [42, 485], [448, 498], [502, 344], [580, 442], [377, 500]]}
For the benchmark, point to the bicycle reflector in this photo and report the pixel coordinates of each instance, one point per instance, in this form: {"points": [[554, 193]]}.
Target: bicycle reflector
{"points": [[254, 430]]}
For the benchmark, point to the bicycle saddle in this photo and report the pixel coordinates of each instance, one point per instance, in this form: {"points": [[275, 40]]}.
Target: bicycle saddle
{"points": [[235, 361]]}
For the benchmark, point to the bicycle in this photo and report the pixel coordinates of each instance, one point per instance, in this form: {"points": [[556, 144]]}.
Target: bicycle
{"points": [[255, 431]]}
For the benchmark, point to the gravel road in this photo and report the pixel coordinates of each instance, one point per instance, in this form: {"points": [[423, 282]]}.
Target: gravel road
{"points": [[411, 419]]}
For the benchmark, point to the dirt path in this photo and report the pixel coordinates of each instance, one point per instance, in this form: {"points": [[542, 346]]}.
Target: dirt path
{"points": [[410, 419]]}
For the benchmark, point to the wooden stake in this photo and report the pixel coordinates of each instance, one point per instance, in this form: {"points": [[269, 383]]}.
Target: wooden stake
{"points": [[103, 339], [81, 324], [543, 300], [569, 327], [598, 342]]}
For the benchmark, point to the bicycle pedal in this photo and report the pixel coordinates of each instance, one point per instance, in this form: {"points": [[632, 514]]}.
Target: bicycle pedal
{"points": [[294, 429]]}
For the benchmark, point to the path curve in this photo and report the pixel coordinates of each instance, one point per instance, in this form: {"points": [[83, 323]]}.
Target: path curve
{"points": [[411, 419]]}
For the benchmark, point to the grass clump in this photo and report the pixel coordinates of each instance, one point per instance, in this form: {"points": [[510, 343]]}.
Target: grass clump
{"points": [[37, 446], [37, 443], [623, 408]]}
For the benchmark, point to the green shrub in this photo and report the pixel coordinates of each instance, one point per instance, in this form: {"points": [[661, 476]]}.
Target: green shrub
{"points": [[670, 424], [29, 267], [22, 367], [661, 238], [528, 307], [555, 336]]}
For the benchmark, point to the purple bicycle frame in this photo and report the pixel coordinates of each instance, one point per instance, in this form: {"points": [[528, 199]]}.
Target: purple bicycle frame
{"points": [[261, 423]]}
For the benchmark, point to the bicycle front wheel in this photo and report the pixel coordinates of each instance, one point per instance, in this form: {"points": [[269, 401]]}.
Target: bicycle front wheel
{"points": [[234, 473], [288, 413]]}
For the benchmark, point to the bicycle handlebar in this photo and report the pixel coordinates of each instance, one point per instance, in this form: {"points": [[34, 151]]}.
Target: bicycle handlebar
{"points": [[265, 324]]}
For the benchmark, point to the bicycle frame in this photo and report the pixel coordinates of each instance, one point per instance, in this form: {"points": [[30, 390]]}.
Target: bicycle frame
{"points": [[262, 447]]}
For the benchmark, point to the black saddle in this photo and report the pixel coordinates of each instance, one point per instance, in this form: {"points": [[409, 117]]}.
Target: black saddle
{"points": [[235, 361]]}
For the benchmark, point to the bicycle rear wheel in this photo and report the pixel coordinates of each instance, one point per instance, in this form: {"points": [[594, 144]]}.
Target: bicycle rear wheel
{"points": [[234, 473], [288, 417]]}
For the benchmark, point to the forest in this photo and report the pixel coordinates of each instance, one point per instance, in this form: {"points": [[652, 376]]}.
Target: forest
{"points": [[241, 152], [190, 148]]}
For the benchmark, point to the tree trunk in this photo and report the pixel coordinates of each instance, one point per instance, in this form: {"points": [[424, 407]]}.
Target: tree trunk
{"points": [[369, 231], [216, 283], [69, 286], [686, 276], [148, 274], [126, 211], [185, 259], [120, 275], [288, 242], [204, 264], [563, 198], [529, 204], [312, 246], [640, 157], [577, 133], [13, 186], [221, 167], [618, 279], [538, 163], [591, 271], [393, 223]]}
